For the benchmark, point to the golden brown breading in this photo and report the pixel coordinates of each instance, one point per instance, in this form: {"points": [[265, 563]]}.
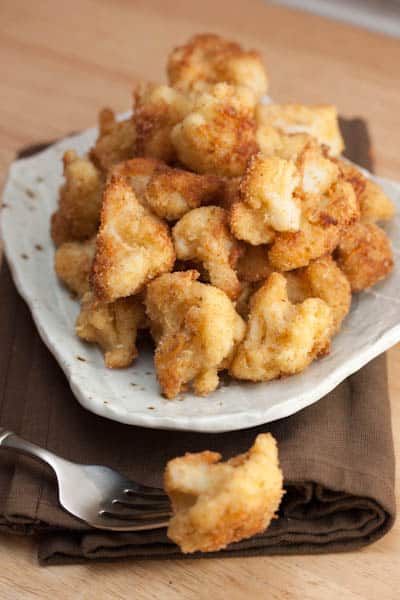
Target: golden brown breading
{"points": [[323, 221], [216, 503], [282, 338], [208, 59], [267, 189], [137, 172], [72, 263], [248, 224], [203, 235], [322, 279], [318, 121], [115, 142], [77, 216], [365, 255], [157, 109], [253, 264], [317, 172], [133, 245], [112, 326], [273, 142], [171, 193], [196, 328], [374, 204], [218, 135]]}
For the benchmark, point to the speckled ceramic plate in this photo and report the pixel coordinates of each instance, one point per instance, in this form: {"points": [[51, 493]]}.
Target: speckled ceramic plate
{"points": [[132, 395]]}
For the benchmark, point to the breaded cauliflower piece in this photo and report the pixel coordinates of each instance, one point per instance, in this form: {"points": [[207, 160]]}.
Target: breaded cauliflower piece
{"points": [[317, 172], [196, 328], [215, 503], [77, 216], [374, 204], [253, 264], [112, 326], [203, 235], [322, 279], [208, 59], [365, 255], [171, 193], [282, 338], [73, 262], [116, 140], [318, 121], [324, 218], [218, 135], [137, 172], [157, 109], [267, 188], [133, 245]]}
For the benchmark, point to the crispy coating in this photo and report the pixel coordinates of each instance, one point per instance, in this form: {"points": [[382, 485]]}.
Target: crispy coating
{"points": [[73, 262], [317, 172], [171, 193], [115, 142], [157, 109], [282, 338], [133, 245], [365, 255], [253, 264], [272, 142], [322, 279], [215, 503], [208, 59], [248, 224], [203, 235], [196, 328], [318, 121], [374, 204], [218, 135], [77, 217], [267, 189], [137, 172], [112, 326], [323, 221]]}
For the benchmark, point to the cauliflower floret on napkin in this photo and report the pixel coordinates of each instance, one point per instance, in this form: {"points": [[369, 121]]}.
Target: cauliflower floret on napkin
{"points": [[215, 503]]}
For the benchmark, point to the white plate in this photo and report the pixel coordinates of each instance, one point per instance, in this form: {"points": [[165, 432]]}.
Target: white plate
{"points": [[132, 395]]}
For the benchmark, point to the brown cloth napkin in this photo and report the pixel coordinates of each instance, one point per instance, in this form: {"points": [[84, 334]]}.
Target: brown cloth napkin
{"points": [[337, 455]]}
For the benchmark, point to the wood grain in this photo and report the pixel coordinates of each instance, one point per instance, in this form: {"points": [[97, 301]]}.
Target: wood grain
{"points": [[60, 63]]}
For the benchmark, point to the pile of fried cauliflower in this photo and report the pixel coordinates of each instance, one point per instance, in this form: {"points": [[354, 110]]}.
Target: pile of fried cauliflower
{"points": [[231, 229]]}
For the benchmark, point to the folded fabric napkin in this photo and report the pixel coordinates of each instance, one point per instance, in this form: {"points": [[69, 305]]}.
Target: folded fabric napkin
{"points": [[336, 455]]}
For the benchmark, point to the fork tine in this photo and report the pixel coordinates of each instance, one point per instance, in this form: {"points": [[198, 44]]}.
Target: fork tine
{"points": [[134, 500], [140, 515], [134, 525], [133, 488]]}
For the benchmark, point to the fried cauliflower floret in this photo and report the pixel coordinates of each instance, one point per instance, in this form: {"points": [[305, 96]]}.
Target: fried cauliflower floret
{"points": [[324, 218], [215, 503], [157, 109], [203, 235], [196, 328], [322, 279], [365, 255], [318, 121], [137, 172], [73, 262], [282, 338], [208, 59], [272, 142], [112, 326], [116, 141], [267, 189], [248, 224], [317, 172], [171, 193], [133, 245], [218, 135], [253, 264], [77, 217]]}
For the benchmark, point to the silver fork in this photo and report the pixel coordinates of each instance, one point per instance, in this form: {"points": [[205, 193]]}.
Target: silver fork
{"points": [[98, 495]]}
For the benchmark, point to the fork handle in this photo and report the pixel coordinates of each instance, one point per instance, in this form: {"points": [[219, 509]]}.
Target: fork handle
{"points": [[9, 439]]}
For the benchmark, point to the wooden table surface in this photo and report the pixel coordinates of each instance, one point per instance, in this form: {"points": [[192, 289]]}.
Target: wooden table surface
{"points": [[60, 62]]}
